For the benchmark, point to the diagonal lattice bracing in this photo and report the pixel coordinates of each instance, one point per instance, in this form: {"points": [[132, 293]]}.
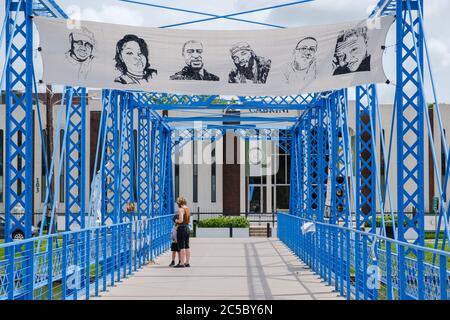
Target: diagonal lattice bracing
{"points": [[75, 163], [410, 148], [126, 156], [111, 167], [19, 128], [143, 162], [365, 161], [162, 101]]}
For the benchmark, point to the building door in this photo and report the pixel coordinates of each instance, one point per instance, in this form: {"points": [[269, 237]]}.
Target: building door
{"points": [[254, 199]]}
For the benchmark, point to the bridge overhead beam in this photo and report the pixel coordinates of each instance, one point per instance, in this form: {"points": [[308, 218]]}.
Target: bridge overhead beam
{"points": [[215, 17], [229, 119], [161, 101]]}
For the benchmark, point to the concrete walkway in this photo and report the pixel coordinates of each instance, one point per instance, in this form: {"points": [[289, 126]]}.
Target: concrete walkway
{"points": [[251, 268]]}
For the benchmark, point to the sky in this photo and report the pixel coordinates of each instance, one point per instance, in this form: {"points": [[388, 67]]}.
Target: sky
{"points": [[317, 12]]}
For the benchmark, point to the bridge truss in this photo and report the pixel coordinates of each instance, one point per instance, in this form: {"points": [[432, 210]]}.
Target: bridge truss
{"points": [[336, 193]]}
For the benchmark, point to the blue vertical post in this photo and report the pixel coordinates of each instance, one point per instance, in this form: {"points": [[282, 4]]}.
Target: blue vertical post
{"points": [[410, 141], [75, 171], [126, 156], [144, 162], [19, 112], [124, 187], [295, 169], [313, 179], [155, 179], [111, 167], [365, 168], [338, 165], [304, 127], [321, 183], [19, 127], [110, 177]]}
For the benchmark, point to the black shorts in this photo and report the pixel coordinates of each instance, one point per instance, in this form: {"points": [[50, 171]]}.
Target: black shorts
{"points": [[182, 237], [174, 247]]}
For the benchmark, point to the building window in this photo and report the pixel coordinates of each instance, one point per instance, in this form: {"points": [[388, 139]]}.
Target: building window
{"points": [[443, 155], [43, 168], [177, 181], [382, 168], [282, 197], [61, 176], [195, 173], [235, 150], [213, 174], [177, 175], [1, 165], [281, 177]]}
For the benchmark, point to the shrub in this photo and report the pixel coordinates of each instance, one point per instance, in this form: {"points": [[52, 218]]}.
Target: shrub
{"points": [[224, 222], [387, 221], [432, 235]]}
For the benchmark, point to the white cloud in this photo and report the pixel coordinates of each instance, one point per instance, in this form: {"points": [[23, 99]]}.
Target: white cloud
{"points": [[439, 51], [114, 14]]}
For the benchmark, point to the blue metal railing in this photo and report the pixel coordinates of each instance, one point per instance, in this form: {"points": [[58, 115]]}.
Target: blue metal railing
{"points": [[330, 252], [79, 264]]}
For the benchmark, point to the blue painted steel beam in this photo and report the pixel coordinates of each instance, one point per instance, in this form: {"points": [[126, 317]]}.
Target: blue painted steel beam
{"points": [[19, 132], [75, 161], [160, 101], [144, 155], [365, 196], [229, 119], [256, 107], [48, 8], [111, 167], [365, 158], [126, 156], [215, 17], [383, 8], [19, 121], [410, 148]]}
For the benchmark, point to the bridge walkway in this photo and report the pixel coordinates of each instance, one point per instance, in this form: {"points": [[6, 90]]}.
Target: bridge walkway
{"points": [[222, 269]]}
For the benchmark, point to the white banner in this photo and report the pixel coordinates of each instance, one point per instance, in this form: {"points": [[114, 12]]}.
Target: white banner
{"points": [[247, 63]]}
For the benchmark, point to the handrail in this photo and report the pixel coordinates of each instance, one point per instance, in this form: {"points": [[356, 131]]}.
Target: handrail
{"points": [[407, 244], [65, 233]]}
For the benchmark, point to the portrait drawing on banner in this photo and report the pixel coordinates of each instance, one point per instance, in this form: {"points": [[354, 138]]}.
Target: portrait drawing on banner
{"points": [[132, 60], [303, 66], [248, 67], [80, 54], [194, 69], [351, 54]]}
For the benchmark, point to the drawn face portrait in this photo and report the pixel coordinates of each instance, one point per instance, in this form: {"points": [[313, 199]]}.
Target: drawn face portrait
{"points": [[242, 58], [133, 57], [132, 60], [305, 53], [354, 51], [351, 53], [81, 47], [192, 54]]}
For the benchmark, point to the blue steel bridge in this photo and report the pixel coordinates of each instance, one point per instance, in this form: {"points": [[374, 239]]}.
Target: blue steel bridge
{"points": [[348, 246]]}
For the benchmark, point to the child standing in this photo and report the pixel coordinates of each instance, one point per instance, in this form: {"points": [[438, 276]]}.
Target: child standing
{"points": [[174, 245]]}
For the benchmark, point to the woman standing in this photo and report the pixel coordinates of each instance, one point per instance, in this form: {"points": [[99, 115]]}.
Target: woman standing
{"points": [[184, 218]]}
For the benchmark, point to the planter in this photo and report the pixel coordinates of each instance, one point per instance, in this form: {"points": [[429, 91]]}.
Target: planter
{"points": [[241, 232], [222, 232]]}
